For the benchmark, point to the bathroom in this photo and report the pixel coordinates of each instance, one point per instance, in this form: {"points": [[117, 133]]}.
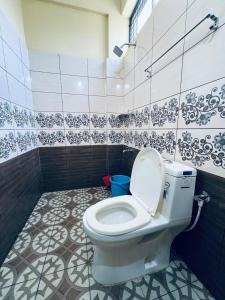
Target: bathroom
{"points": [[99, 88]]}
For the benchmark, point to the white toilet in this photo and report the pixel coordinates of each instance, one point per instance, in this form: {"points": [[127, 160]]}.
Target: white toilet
{"points": [[132, 234]]}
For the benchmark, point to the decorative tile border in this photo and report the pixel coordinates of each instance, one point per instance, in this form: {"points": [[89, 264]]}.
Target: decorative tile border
{"points": [[168, 112], [45, 120], [200, 150], [201, 109], [51, 138]]}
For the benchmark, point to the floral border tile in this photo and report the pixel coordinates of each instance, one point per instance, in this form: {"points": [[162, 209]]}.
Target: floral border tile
{"points": [[99, 137], [76, 120], [165, 113], [6, 115], [98, 121], [203, 107], [203, 149], [77, 137], [49, 120], [8, 145], [48, 138], [115, 137]]}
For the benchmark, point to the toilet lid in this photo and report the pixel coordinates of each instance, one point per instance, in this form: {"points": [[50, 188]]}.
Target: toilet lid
{"points": [[147, 179]]}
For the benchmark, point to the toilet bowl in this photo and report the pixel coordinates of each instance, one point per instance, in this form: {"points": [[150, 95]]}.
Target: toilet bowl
{"points": [[132, 234]]}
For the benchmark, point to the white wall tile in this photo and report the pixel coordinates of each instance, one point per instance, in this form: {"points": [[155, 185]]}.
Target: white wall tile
{"points": [[4, 92], [96, 68], [74, 84], [115, 104], [75, 103], [167, 81], [13, 64], [196, 12], [97, 87], [140, 74], [114, 67], [114, 87], [10, 36], [16, 91], [24, 54], [46, 82], [44, 62], [202, 63], [128, 82], [144, 40], [165, 15], [98, 104], [172, 36], [142, 94], [2, 60], [73, 65], [47, 101]]}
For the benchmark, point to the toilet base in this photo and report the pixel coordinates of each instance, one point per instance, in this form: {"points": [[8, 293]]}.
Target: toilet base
{"points": [[134, 258]]}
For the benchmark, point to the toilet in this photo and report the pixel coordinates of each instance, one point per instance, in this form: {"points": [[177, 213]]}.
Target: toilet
{"points": [[132, 234]]}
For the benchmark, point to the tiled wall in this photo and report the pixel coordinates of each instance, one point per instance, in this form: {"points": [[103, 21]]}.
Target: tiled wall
{"points": [[17, 120], [76, 100], [180, 110]]}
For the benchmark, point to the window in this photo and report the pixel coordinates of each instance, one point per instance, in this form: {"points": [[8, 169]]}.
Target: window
{"points": [[139, 16]]}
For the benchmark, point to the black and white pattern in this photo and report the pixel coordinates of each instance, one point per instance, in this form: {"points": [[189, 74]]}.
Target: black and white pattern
{"points": [[99, 137], [128, 137], [21, 117], [164, 142], [99, 121], [141, 139], [201, 150], [201, 109], [116, 137], [78, 137], [115, 121], [168, 112], [8, 145], [6, 114], [51, 138], [49, 120], [77, 120], [142, 117], [55, 262]]}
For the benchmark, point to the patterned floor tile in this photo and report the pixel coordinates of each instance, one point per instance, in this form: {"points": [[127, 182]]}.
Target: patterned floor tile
{"points": [[163, 282], [25, 260], [130, 290], [24, 290], [201, 291], [186, 272], [51, 259], [63, 285], [185, 293]]}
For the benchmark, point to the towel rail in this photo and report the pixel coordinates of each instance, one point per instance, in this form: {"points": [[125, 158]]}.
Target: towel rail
{"points": [[213, 27]]}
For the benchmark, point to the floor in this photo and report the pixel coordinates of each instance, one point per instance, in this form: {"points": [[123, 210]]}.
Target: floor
{"points": [[52, 256]]}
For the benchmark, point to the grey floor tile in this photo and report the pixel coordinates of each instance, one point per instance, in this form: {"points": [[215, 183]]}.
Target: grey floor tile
{"points": [[23, 290], [186, 272], [158, 284], [52, 257], [64, 285], [185, 293], [201, 291]]}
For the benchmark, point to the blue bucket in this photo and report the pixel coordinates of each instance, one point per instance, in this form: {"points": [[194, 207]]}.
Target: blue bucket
{"points": [[120, 185]]}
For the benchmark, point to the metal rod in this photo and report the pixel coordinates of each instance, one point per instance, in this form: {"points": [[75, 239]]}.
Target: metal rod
{"points": [[213, 27]]}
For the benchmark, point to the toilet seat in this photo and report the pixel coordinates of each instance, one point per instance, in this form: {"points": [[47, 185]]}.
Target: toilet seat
{"points": [[124, 214], [114, 216]]}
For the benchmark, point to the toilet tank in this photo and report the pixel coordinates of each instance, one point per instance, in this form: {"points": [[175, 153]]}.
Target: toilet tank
{"points": [[179, 191]]}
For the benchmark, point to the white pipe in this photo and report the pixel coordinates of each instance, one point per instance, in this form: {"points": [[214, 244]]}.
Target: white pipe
{"points": [[200, 205]]}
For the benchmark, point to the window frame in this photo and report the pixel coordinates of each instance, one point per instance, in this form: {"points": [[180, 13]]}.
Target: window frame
{"points": [[133, 19]]}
